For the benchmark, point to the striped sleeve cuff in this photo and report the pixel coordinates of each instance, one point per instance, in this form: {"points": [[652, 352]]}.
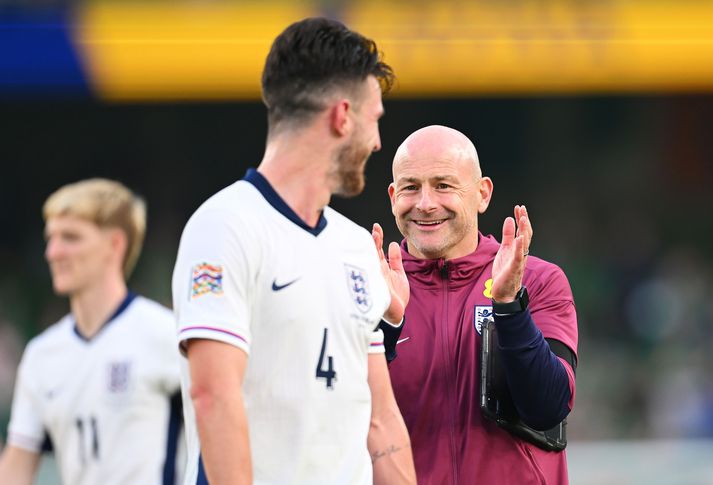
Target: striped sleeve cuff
{"points": [[211, 333], [376, 342], [24, 442]]}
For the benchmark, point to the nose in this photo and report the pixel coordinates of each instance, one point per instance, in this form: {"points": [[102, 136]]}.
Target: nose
{"points": [[377, 142], [425, 201], [52, 250]]}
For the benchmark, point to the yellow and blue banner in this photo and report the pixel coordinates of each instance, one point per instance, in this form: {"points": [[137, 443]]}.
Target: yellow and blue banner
{"points": [[173, 51]]}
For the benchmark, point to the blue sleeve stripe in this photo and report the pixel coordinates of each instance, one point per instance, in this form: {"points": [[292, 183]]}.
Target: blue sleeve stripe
{"points": [[175, 423], [47, 445]]}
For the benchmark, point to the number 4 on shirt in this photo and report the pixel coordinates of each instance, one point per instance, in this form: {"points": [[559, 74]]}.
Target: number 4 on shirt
{"points": [[328, 374]]}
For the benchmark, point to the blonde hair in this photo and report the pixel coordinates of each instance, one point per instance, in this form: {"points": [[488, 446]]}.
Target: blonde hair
{"points": [[106, 203]]}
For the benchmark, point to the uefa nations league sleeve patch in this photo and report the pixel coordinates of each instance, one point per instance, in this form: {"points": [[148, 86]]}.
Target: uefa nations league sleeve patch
{"points": [[206, 279]]}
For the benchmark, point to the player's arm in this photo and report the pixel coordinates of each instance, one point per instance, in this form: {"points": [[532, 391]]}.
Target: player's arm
{"points": [[388, 441], [20, 458], [18, 466], [217, 371], [539, 382]]}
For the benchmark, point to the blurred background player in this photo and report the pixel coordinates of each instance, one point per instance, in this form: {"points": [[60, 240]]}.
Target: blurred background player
{"points": [[459, 277], [100, 387], [278, 296]]}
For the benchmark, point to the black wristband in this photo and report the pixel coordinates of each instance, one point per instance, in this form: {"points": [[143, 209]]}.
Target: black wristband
{"points": [[391, 337], [522, 300]]}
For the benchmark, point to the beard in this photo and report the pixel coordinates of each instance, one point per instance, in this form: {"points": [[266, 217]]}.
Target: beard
{"points": [[348, 169], [441, 244]]}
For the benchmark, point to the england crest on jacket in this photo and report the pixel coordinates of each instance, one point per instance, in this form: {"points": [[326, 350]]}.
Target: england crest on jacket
{"points": [[358, 284], [482, 314]]}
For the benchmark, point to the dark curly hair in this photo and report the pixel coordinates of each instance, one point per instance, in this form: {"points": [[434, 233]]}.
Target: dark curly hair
{"points": [[312, 58]]}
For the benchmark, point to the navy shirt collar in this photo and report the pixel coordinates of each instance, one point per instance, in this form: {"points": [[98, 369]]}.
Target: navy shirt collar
{"points": [[122, 307], [263, 186]]}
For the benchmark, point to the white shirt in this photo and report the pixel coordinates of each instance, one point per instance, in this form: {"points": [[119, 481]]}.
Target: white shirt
{"points": [[303, 303], [105, 403]]}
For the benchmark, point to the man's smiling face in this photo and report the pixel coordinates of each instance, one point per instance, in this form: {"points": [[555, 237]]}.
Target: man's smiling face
{"points": [[437, 193]]}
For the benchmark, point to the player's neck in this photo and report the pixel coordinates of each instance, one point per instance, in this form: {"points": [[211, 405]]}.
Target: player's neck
{"points": [[297, 168], [92, 306]]}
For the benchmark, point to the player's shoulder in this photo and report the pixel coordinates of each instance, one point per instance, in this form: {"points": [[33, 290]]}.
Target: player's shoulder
{"points": [[151, 316], [146, 306], [237, 205], [232, 198], [52, 339], [345, 227], [149, 326]]}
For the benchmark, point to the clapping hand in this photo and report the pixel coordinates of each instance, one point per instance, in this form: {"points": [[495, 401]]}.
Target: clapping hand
{"points": [[509, 263], [394, 274]]}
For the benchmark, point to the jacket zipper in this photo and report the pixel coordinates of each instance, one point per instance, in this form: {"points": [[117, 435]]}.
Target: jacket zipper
{"points": [[449, 375]]}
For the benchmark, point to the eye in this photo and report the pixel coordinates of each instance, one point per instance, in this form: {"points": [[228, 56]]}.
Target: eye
{"points": [[409, 188], [70, 237], [443, 186]]}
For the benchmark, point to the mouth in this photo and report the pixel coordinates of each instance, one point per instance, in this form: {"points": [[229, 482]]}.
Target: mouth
{"points": [[58, 269], [428, 224]]}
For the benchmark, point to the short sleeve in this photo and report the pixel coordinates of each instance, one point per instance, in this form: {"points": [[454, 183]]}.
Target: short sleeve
{"points": [[211, 281], [376, 342], [26, 429], [552, 306]]}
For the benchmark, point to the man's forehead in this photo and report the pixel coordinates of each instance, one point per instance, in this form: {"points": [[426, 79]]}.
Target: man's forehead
{"points": [[375, 90], [452, 162], [421, 177], [437, 138], [67, 221], [428, 168], [437, 148]]}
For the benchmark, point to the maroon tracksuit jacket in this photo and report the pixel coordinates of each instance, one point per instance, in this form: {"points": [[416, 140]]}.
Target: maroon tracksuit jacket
{"points": [[436, 374]]}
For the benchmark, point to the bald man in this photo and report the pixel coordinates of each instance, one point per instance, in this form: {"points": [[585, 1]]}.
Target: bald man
{"points": [[459, 280]]}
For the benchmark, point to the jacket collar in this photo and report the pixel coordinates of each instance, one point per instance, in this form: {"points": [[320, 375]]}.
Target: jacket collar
{"points": [[458, 271]]}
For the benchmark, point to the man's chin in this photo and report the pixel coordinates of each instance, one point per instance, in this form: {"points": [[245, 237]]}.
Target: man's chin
{"points": [[61, 289], [351, 187], [423, 251]]}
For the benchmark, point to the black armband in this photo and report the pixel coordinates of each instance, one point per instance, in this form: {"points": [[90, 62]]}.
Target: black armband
{"points": [[561, 350]]}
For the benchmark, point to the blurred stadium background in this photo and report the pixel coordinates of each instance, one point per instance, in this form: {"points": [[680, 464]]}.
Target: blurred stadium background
{"points": [[597, 115]]}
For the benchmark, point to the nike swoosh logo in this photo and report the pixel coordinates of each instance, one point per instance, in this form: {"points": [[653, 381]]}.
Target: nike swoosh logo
{"points": [[401, 340], [276, 287]]}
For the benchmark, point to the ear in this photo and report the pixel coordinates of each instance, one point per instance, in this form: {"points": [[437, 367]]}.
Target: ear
{"points": [[485, 186], [119, 243], [392, 197], [340, 120]]}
